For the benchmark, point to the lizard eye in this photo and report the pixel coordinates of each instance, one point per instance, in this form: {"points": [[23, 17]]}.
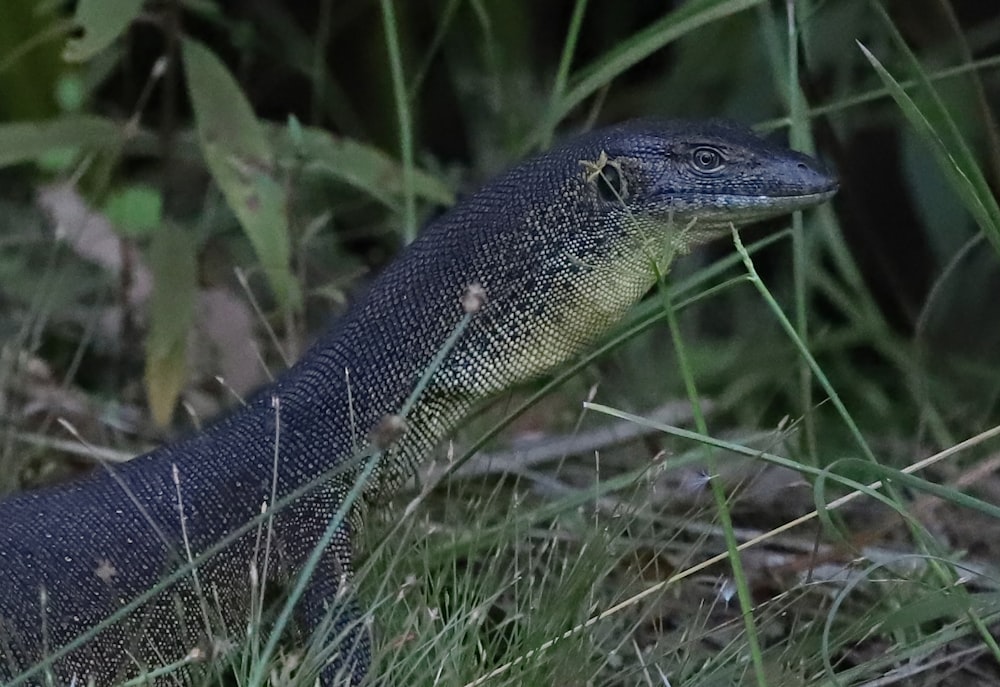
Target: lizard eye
{"points": [[611, 184], [707, 159]]}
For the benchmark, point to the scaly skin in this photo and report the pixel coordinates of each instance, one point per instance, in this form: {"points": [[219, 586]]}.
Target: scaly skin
{"points": [[563, 245]]}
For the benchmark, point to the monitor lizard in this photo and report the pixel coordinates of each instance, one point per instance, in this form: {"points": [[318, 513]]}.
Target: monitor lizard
{"points": [[523, 275]]}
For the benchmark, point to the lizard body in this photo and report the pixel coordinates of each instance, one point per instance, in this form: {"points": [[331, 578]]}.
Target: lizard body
{"points": [[562, 245]]}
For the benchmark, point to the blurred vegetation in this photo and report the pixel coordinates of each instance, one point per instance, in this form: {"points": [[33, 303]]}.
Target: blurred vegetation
{"points": [[193, 188]]}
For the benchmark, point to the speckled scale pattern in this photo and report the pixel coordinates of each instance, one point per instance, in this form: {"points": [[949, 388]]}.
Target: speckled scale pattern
{"points": [[559, 265]]}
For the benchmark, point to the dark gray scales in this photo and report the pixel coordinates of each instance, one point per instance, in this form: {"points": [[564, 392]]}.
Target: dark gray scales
{"points": [[561, 250]]}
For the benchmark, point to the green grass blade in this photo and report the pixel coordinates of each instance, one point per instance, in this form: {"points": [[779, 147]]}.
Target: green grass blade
{"points": [[937, 128], [685, 19], [403, 118]]}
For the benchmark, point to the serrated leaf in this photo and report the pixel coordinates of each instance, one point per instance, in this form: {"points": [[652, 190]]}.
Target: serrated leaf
{"points": [[28, 141], [102, 22], [171, 314], [238, 155]]}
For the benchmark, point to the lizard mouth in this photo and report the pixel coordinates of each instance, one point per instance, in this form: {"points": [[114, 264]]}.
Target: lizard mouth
{"points": [[722, 210]]}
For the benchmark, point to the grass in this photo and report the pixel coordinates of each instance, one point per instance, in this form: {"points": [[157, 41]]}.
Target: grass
{"points": [[617, 566]]}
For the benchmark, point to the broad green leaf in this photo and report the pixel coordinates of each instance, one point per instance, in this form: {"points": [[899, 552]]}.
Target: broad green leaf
{"points": [[166, 373], [29, 141], [239, 157], [171, 312], [934, 606], [102, 22], [71, 92], [362, 166], [135, 210]]}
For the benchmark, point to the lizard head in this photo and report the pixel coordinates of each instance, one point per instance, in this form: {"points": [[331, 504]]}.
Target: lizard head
{"points": [[713, 173], [696, 180]]}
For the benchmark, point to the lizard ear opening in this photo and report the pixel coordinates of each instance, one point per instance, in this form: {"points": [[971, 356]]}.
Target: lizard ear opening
{"points": [[611, 184]]}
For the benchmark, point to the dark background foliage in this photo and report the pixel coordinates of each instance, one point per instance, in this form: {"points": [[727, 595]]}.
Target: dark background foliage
{"points": [[898, 284]]}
